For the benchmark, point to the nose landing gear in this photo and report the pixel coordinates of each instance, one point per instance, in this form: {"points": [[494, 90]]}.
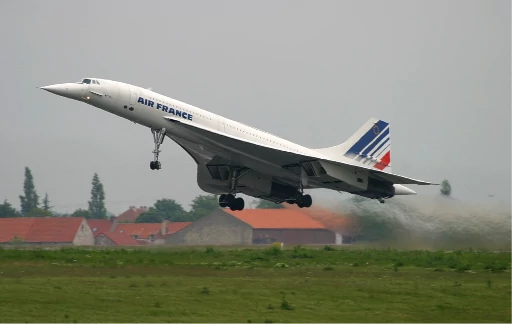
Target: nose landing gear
{"points": [[158, 137]]}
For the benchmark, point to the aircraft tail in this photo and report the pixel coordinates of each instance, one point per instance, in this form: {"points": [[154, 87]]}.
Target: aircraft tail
{"points": [[370, 145]]}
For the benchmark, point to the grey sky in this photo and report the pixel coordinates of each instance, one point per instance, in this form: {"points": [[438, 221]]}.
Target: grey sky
{"points": [[309, 71]]}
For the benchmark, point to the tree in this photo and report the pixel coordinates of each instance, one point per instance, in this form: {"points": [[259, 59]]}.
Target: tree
{"points": [[203, 205], [265, 204], [446, 188], [151, 216], [38, 212], [170, 210], [97, 208], [46, 202], [6, 210], [31, 199], [81, 213]]}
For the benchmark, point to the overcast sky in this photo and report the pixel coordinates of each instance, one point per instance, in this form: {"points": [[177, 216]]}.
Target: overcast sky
{"points": [[309, 71]]}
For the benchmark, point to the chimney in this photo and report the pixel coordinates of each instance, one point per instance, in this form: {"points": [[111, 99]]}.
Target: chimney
{"points": [[163, 230], [113, 223]]}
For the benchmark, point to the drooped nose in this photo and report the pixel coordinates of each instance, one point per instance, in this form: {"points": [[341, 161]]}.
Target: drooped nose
{"points": [[68, 90], [58, 89]]}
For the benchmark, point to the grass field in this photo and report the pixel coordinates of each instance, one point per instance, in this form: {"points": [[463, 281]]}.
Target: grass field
{"points": [[253, 285]]}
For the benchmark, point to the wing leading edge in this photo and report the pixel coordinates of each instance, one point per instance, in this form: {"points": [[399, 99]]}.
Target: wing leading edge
{"points": [[280, 157]]}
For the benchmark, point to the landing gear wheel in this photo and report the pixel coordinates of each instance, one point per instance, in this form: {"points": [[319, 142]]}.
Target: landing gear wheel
{"points": [[304, 201], [307, 201], [155, 165], [158, 137], [238, 204], [300, 201], [227, 200], [381, 200], [222, 201], [230, 199]]}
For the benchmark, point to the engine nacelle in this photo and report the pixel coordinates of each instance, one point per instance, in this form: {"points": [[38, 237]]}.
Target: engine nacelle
{"points": [[282, 191], [378, 189]]}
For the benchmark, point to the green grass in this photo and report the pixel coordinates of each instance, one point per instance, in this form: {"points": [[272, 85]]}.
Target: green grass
{"points": [[253, 285]]}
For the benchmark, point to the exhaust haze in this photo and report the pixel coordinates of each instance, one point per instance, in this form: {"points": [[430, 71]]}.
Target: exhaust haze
{"points": [[419, 222]]}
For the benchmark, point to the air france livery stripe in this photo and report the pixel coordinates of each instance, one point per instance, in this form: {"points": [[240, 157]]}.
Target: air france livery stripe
{"points": [[375, 142], [368, 137]]}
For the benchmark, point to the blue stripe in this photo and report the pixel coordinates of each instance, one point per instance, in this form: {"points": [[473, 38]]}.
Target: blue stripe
{"points": [[381, 145], [367, 138], [376, 142]]}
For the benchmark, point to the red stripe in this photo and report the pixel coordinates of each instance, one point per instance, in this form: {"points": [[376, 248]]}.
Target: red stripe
{"points": [[384, 162]]}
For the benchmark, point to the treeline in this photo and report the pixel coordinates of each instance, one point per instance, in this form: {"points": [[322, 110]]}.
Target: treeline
{"points": [[202, 205], [32, 206]]}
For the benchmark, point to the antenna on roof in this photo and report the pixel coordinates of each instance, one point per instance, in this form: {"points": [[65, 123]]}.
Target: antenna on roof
{"points": [[150, 88]]}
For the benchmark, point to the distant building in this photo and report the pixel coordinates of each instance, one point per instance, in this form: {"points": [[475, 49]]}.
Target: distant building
{"points": [[113, 238], [131, 214], [253, 226], [99, 226], [45, 231], [154, 233], [342, 226]]}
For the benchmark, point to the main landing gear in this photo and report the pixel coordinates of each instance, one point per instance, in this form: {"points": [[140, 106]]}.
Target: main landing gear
{"points": [[158, 137], [303, 200], [229, 200]]}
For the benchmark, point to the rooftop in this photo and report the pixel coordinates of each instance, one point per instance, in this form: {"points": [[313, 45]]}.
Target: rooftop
{"points": [[275, 219], [131, 214], [40, 229]]}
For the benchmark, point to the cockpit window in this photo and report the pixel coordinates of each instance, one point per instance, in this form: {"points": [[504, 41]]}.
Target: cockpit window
{"points": [[88, 81]]}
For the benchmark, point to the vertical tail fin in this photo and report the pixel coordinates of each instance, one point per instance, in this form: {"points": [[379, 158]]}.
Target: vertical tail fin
{"points": [[370, 145]]}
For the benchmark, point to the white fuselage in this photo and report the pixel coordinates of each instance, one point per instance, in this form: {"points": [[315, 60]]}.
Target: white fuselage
{"points": [[150, 109], [151, 114]]}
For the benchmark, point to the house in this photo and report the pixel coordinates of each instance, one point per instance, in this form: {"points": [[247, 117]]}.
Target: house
{"points": [[131, 214], [45, 231], [154, 233], [345, 228], [253, 226], [99, 226], [114, 238]]}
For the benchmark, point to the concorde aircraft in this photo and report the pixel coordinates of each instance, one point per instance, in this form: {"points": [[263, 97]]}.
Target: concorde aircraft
{"points": [[235, 158]]}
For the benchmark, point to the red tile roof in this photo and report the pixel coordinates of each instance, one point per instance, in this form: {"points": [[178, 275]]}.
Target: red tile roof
{"points": [[176, 226], [275, 219], [99, 226], [144, 230], [131, 214], [120, 238], [40, 229], [334, 221]]}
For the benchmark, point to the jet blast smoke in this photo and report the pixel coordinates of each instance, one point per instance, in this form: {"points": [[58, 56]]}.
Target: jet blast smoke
{"points": [[424, 222]]}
